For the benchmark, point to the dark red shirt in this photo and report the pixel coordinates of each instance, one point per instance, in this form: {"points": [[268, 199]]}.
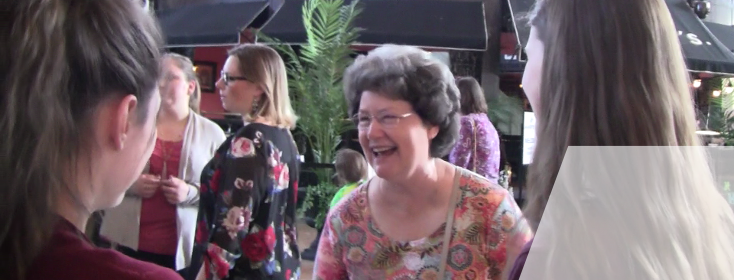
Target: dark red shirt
{"points": [[70, 255], [158, 226]]}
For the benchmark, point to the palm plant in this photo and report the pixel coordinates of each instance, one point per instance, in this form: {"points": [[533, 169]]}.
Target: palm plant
{"points": [[502, 109], [721, 114], [315, 80]]}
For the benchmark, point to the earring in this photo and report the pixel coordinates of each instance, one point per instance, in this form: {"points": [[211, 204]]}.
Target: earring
{"points": [[255, 107]]}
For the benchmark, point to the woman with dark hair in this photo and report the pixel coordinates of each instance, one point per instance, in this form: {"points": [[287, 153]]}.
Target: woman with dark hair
{"points": [[611, 73], [406, 222], [478, 147], [247, 217], [80, 96]]}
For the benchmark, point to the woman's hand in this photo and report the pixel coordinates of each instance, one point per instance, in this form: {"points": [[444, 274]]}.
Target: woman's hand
{"points": [[175, 190], [146, 185]]}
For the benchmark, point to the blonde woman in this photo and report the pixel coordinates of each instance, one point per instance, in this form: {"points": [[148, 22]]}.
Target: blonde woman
{"points": [[611, 73], [247, 219], [156, 220]]}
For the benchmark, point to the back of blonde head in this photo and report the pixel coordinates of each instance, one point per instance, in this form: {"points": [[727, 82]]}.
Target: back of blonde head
{"points": [[613, 75], [263, 65]]}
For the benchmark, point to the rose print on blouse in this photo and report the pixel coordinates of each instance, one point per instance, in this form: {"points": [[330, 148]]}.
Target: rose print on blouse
{"points": [[259, 244], [237, 219], [242, 147], [280, 173]]}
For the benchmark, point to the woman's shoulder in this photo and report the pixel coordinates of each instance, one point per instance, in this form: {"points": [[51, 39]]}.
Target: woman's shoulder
{"points": [[209, 127], [475, 185], [351, 209], [68, 249]]}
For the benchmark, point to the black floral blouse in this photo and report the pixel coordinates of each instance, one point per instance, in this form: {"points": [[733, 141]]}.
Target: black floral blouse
{"points": [[247, 210]]}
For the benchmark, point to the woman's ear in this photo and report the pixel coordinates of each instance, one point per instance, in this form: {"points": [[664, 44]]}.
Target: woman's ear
{"points": [[432, 132], [192, 87]]}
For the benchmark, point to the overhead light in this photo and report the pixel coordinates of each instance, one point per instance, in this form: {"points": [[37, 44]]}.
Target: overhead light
{"points": [[708, 132], [696, 83], [520, 85], [716, 93]]}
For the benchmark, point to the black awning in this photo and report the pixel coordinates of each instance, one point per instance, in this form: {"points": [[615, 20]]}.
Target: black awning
{"points": [[208, 24], [428, 23], [519, 10], [724, 33], [703, 52]]}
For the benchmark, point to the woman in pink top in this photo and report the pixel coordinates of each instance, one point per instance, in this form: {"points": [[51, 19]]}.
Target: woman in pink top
{"points": [[478, 146], [77, 113]]}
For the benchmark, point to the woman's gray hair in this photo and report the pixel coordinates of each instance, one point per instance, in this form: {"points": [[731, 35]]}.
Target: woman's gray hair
{"points": [[412, 75]]}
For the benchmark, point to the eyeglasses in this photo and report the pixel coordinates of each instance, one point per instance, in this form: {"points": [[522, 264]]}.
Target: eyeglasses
{"points": [[226, 78], [364, 121]]}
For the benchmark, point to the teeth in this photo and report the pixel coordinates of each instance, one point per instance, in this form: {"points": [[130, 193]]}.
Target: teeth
{"points": [[380, 150]]}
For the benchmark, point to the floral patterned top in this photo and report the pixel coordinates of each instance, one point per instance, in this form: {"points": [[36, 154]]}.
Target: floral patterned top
{"points": [[487, 223], [485, 160], [247, 210]]}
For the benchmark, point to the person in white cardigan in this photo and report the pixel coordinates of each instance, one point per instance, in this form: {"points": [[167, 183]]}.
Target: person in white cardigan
{"points": [[156, 222]]}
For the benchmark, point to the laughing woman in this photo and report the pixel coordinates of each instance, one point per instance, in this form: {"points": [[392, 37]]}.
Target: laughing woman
{"points": [[420, 217]]}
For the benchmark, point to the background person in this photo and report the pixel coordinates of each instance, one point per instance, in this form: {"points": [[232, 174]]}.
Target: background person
{"points": [[156, 221]]}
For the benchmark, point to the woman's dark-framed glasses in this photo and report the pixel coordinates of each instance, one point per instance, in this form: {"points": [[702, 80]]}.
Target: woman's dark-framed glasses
{"points": [[363, 121], [227, 78]]}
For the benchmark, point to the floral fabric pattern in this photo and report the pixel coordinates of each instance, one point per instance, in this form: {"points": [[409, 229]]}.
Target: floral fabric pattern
{"points": [[486, 160], [247, 218], [488, 225]]}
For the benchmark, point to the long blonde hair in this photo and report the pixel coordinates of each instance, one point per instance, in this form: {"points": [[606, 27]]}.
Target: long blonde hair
{"points": [[185, 64], [61, 60], [264, 66], [613, 74]]}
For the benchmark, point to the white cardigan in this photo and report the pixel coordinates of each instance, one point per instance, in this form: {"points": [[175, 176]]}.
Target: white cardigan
{"points": [[121, 225]]}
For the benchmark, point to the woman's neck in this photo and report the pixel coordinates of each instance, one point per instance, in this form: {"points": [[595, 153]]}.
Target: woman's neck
{"points": [[260, 120], [423, 188], [71, 209], [171, 115]]}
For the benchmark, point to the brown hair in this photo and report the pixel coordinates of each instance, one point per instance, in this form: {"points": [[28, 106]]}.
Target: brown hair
{"points": [[597, 93], [350, 166], [472, 96], [613, 75], [60, 61], [185, 64], [412, 75], [262, 65]]}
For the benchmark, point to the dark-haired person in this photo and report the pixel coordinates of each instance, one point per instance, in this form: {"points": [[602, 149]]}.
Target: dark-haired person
{"points": [[478, 146], [78, 113], [402, 223]]}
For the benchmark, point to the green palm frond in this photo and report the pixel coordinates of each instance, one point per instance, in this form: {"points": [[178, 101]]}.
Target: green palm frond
{"points": [[502, 109], [316, 72]]}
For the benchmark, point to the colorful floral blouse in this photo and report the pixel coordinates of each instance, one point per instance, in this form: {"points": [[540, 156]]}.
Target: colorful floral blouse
{"points": [[247, 210], [480, 154], [487, 223]]}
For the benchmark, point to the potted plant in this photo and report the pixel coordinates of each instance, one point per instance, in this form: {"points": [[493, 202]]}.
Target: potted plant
{"points": [[315, 79], [721, 110]]}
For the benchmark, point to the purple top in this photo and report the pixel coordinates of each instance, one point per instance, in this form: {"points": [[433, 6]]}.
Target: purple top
{"points": [[520, 261], [487, 155]]}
